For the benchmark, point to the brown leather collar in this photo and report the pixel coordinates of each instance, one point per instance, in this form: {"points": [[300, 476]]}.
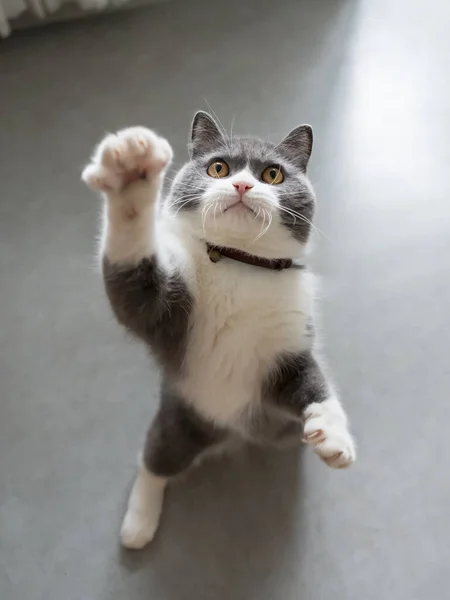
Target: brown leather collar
{"points": [[215, 253]]}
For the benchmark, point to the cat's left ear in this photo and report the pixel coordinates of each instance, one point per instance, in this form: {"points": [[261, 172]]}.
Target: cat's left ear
{"points": [[205, 135], [297, 146]]}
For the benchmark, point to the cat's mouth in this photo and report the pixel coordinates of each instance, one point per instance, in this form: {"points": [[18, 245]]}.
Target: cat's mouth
{"points": [[239, 207]]}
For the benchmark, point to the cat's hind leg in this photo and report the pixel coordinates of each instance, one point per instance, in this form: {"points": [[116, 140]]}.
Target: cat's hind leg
{"points": [[144, 508], [176, 439]]}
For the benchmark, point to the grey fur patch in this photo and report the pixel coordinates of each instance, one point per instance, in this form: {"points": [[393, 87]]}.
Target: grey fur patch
{"points": [[270, 425], [298, 200], [177, 436], [296, 382], [155, 307], [293, 384], [186, 193]]}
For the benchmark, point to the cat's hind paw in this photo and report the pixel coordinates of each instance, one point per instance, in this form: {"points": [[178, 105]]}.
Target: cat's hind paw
{"points": [[144, 509], [138, 528], [326, 431], [125, 157]]}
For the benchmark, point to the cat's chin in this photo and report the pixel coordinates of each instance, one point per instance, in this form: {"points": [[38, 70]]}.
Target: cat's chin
{"points": [[242, 231], [239, 217], [273, 244], [239, 209], [237, 223]]}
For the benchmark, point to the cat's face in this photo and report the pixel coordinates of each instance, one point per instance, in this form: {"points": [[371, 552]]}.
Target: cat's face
{"points": [[246, 193]]}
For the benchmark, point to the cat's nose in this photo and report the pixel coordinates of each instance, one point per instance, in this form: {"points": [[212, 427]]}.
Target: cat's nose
{"points": [[242, 186]]}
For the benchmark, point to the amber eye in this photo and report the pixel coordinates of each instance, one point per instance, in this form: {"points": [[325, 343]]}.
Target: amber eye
{"points": [[272, 175], [218, 169]]}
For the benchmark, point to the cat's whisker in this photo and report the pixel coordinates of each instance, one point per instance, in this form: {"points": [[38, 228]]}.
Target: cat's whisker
{"points": [[180, 207], [299, 215], [204, 215], [295, 214], [219, 206], [291, 213], [264, 228], [176, 202], [192, 199], [191, 191], [294, 217], [214, 213], [267, 226], [263, 224], [185, 198]]}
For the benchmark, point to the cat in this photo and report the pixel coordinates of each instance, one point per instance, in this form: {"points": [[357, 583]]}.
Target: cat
{"points": [[212, 279]]}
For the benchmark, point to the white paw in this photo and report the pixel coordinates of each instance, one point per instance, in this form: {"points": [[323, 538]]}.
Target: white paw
{"points": [[327, 433], [127, 156], [138, 528], [144, 509]]}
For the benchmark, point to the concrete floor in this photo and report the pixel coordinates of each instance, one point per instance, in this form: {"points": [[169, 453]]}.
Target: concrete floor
{"points": [[371, 76]]}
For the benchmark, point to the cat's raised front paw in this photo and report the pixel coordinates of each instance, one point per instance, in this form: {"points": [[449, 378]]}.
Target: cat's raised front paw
{"points": [[125, 157], [327, 433]]}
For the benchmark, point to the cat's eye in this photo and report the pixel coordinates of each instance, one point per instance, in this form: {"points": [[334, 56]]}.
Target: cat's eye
{"points": [[218, 169], [272, 175]]}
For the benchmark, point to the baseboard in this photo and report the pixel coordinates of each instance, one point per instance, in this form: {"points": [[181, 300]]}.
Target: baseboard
{"points": [[69, 12]]}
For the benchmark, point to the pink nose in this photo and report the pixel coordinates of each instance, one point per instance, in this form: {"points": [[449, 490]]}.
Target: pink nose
{"points": [[242, 186]]}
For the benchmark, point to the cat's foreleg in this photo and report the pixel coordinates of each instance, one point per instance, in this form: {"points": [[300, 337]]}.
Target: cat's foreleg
{"points": [[140, 277], [303, 390]]}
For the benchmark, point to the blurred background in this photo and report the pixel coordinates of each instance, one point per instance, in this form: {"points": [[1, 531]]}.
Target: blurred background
{"points": [[372, 78]]}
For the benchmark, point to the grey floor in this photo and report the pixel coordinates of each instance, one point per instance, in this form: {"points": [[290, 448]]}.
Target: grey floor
{"points": [[372, 77]]}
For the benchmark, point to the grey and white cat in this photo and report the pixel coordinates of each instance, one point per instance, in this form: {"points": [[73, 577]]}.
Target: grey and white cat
{"points": [[234, 340]]}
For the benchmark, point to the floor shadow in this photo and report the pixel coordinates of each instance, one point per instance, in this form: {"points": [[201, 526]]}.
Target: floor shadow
{"points": [[226, 527]]}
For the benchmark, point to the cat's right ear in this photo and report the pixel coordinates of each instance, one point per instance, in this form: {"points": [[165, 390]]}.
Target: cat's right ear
{"points": [[297, 146], [205, 135]]}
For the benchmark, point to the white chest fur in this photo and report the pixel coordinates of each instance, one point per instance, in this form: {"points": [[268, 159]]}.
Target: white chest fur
{"points": [[244, 317]]}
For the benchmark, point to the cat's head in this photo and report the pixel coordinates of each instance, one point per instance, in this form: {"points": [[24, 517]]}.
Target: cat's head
{"points": [[244, 192]]}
